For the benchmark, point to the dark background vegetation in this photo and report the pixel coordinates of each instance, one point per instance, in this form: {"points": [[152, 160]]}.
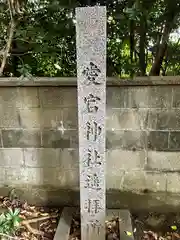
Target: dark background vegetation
{"points": [[38, 37]]}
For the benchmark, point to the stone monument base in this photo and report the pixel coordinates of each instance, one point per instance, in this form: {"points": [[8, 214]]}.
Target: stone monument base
{"points": [[124, 221]]}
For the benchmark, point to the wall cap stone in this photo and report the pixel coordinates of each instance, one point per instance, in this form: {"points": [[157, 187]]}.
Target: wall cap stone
{"points": [[72, 81]]}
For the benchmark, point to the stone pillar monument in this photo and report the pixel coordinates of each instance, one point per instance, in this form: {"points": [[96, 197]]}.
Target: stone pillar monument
{"points": [[91, 77]]}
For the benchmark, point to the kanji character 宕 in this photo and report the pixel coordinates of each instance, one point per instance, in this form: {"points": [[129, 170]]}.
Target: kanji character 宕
{"points": [[91, 101]]}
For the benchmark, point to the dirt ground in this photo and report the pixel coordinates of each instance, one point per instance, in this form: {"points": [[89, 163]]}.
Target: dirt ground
{"points": [[40, 223], [153, 226], [146, 226]]}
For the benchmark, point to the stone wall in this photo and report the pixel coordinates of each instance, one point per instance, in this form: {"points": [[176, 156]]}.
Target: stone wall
{"points": [[39, 140]]}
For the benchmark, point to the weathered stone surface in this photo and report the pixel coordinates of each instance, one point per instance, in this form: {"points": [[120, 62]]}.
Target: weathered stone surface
{"points": [[121, 160], [130, 140], [8, 97], [127, 119], [51, 118], [31, 176], [145, 181], [72, 81], [163, 161], [74, 139], [137, 97], [41, 157], [70, 118], [27, 97], [173, 180], [49, 196], [54, 177], [68, 178], [133, 179], [69, 95], [59, 177], [19, 97], [9, 117], [145, 97], [46, 196], [168, 119], [2, 176], [17, 176], [19, 109], [152, 119], [1, 141], [30, 118], [118, 174], [11, 157], [50, 97], [91, 69], [21, 138], [158, 140], [55, 97], [59, 139], [160, 97], [50, 157], [156, 181], [116, 97], [176, 97], [174, 141]]}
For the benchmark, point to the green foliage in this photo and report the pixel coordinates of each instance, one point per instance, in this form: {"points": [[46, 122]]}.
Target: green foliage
{"points": [[9, 221], [44, 40], [133, 13], [24, 70]]}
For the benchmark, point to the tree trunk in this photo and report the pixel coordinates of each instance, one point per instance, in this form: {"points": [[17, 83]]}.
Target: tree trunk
{"points": [[15, 60], [132, 45], [156, 67], [161, 51], [8, 46], [142, 42]]}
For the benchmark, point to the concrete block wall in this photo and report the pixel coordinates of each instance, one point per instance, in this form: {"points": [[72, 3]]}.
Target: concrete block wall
{"points": [[39, 137]]}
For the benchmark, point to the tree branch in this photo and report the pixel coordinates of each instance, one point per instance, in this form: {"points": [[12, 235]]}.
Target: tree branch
{"points": [[11, 237], [10, 38], [26, 223], [8, 46]]}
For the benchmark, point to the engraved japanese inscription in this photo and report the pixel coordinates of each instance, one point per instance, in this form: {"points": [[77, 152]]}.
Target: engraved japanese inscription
{"points": [[93, 181], [92, 158], [91, 76], [91, 102], [93, 130], [91, 73], [93, 206]]}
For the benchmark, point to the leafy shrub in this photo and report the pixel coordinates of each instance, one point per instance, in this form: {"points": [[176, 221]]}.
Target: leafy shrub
{"points": [[10, 221]]}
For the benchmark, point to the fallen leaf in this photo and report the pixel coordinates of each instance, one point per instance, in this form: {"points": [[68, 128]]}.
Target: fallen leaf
{"points": [[174, 227], [128, 233]]}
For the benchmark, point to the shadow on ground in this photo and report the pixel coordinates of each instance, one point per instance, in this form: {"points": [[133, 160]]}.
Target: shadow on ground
{"points": [[49, 196]]}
